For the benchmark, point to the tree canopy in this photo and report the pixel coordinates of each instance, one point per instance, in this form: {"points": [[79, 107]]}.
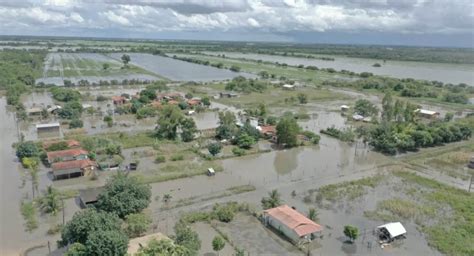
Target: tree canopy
{"points": [[124, 195], [287, 131], [107, 242]]}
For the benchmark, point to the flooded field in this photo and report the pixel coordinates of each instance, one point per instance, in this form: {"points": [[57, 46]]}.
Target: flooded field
{"points": [[177, 70], [87, 66], [447, 73]]}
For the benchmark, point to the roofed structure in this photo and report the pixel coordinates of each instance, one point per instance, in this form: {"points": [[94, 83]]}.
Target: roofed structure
{"points": [[75, 168], [391, 231], [67, 155], [297, 227]]}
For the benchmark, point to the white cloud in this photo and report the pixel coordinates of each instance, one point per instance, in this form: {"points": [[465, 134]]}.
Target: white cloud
{"points": [[113, 17], [76, 17]]}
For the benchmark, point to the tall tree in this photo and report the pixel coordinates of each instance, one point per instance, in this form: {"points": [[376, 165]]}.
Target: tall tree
{"points": [[287, 131], [107, 242], [124, 195], [85, 222], [188, 129], [227, 125], [125, 59], [365, 108], [169, 122], [351, 232]]}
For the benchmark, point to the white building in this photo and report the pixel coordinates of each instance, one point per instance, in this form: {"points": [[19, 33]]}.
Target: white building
{"points": [[391, 231]]}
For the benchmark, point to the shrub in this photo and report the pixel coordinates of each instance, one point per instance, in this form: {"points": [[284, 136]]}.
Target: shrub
{"points": [[160, 159], [238, 151]]}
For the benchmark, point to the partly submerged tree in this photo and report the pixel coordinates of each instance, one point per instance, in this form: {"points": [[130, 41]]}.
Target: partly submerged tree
{"points": [[50, 201], [273, 200], [125, 59], [351, 232], [136, 224], [187, 238], [287, 131], [218, 244]]}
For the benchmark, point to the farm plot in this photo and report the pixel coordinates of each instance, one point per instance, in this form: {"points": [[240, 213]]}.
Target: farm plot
{"points": [[92, 67], [179, 70]]}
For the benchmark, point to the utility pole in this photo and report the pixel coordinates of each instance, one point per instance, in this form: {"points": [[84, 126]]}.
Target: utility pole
{"points": [[64, 221]]}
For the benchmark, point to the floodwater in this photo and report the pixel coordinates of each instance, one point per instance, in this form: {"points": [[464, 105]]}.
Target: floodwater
{"points": [[178, 70], [444, 72], [13, 237], [54, 69]]}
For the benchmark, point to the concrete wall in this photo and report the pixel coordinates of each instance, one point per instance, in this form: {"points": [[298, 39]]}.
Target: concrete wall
{"points": [[276, 224]]}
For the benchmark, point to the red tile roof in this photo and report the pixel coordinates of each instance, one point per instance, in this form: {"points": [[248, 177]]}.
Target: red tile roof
{"points": [[72, 164], [194, 102], [66, 153], [294, 220], [268, 129], [70, 143]]}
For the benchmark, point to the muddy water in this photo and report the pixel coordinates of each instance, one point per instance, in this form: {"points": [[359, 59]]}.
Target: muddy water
{"points": [[206, 120], [13, 238], [447, 73]]}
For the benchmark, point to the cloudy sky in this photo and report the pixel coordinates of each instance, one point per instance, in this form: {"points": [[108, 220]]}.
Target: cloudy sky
{"points": [[411, 22]]}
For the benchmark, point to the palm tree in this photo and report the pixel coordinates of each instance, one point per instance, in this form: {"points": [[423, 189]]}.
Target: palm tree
{"points": [[273, 200], [50, 202]]}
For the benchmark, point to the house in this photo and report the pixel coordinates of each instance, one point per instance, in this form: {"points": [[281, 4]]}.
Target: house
{"points": [[35, 111], [289, 86], [67, 155], [119, 100], [194, 102], [48, 128], [267, 130], [429, 114], [292, 224], [344, 108], [228, 95], [69, 143], [136, 243], [169, 96], [71, 169], [89, 196], [391, 231]]}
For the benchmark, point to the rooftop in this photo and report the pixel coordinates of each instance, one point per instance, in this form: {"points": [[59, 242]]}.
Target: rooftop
{"points": [[70, 143], [66, 153], [38, 126], [394, 229], [426, 112], [294, 220], [72, 164]]}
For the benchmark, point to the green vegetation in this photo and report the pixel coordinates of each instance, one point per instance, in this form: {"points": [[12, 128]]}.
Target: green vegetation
{"points": [[124, 195], [18, 71], [351, 232], [214, 148], [273, 200], [349, 189], [65, 94], [365, 108], [136, 224], [242, 84], [287, 131], [28, 210], [218, 244], [346, 134], [163, 247], [450, 232], [50, 201]]}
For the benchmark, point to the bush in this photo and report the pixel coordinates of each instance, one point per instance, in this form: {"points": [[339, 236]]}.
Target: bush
{"points": [[160, 159], [238, 151], [178, 157], [27, 149], [76, 123], [136, 224], [214, 148]]}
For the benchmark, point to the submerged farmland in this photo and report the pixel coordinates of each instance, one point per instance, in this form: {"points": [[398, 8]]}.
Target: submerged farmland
{"points": [[93, 67], [178, 70]]}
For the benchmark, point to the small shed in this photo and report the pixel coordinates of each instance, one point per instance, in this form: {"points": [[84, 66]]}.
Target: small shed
{"points": [[289, 86], [48, 128], [34, 111], [429, 114], [89, 196], [211, 172], [391, 231]]}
